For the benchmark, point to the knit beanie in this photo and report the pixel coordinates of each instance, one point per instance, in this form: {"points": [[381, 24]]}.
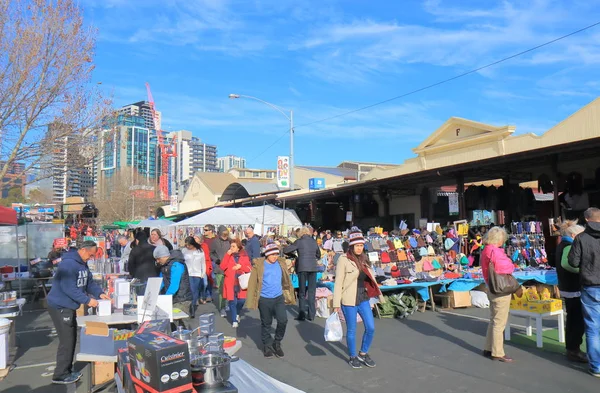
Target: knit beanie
{"points": [[271, 249], [161, 251], [355, 237]]}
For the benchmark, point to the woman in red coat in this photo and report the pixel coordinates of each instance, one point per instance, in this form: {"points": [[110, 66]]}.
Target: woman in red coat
{"points": [[235, 262]]}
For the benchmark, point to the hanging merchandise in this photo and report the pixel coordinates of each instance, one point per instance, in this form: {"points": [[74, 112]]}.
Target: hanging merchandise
{"points": [[453, 209]]}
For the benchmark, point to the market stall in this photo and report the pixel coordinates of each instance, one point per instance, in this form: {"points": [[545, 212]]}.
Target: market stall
{"points": [[265, 219]]}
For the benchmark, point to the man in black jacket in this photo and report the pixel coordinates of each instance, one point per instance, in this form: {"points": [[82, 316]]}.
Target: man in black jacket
{"points": [[307, 268], [585, 255], [218, 248], [141, 259], [72, 286]]}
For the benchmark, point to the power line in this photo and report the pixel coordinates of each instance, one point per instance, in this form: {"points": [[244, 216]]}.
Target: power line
{"points": [[433, 84], [270, 146], [453, 78]]}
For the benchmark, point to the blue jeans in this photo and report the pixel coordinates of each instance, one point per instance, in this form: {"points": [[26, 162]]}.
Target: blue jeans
{"points": [[235, 307], [364, 309], [198, 289], [590, 299]]}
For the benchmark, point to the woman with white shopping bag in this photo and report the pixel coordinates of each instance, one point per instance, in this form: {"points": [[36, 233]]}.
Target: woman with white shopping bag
{"points": [[354, 285], [235, 263]]}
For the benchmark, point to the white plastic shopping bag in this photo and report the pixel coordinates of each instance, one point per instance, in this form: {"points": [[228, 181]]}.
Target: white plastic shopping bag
{"points": [[333, 328], [243, 280]]}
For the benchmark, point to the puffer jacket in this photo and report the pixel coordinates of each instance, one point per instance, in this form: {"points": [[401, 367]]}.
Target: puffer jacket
{"points": [[141, 259], [585, 255], [184, 292], [308, 254]]}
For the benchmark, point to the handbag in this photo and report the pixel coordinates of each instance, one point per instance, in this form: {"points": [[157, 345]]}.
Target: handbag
{"points": [[501, 284], [243, 280]]}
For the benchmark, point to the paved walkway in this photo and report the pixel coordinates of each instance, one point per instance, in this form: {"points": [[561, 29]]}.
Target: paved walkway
{"points": [[429, 352]]}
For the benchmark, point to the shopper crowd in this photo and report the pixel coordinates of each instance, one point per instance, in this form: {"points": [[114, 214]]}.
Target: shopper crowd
{"points": [[255, 273]]}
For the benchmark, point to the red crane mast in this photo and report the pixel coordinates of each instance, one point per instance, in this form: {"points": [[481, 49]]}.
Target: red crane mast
{"points": [[166, 150]]}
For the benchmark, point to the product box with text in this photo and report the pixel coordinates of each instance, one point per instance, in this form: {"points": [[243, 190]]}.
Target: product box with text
{"points": [[159, 362]]}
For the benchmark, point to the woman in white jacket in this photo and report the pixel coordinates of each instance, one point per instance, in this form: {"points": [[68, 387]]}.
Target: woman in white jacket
{"points": [[195, 260]]}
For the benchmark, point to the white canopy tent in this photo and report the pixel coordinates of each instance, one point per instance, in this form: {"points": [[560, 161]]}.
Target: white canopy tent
{"points": [[148, 223], [267, 215]]}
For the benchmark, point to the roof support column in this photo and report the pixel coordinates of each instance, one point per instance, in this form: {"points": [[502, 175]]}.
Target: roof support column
{"points": [[460, 189], [554, 164], [508, 213]]}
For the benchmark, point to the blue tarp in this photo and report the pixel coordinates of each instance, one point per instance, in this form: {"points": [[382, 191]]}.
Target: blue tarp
{"points": [[548, 277]]}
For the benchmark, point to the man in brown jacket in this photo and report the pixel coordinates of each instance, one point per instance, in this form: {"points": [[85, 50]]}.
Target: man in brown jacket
{"points": [[269, 290]]}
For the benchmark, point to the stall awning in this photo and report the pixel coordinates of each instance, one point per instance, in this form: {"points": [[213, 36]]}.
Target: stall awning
{"points": [[8, 216]]}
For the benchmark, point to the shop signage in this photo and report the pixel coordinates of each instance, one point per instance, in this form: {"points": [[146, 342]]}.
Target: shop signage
{"points": [[453, 204], [45, 210], [283, 171], [316, 183], [174, 204]]}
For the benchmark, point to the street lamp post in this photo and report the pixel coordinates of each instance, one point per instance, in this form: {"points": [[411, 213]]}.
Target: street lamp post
{"points": [[290, 117]]}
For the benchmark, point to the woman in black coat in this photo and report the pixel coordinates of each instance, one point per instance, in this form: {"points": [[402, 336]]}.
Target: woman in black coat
{"points": [[141, 259], [306, 268]]}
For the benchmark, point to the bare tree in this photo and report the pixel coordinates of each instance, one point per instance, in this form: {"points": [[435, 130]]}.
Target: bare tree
{"points": [[45, 79], [126, 196]]}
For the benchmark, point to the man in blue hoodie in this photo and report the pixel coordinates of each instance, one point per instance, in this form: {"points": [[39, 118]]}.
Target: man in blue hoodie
{"points": [[72, 287]]}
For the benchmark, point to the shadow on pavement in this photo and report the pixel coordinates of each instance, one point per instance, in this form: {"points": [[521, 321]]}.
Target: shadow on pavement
{"points": [[312, 333], [250, 328], [429, 331]]}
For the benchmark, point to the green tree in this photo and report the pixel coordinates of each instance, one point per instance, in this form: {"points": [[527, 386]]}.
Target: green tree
{"points": [[14, 196]]}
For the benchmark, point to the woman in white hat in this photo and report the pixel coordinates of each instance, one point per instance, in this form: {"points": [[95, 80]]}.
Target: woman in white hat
{"points": [[354, 285]]}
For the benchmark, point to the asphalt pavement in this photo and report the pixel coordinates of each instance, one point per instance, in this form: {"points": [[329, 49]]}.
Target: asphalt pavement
{"points": [[427, 352]]}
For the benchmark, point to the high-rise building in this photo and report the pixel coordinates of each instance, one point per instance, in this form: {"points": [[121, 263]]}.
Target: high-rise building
{"points": [[129, 145], [193, 156], [73, 163], [229, 162], [142, 109]]}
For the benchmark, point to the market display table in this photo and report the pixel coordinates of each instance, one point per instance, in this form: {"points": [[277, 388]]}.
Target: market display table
{"points": [[538, 324], [230, 351], [118, 318], [424, 288], [40, 284]]}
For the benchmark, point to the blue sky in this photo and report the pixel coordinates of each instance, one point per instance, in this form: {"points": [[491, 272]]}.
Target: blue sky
{"points": [[325, 57]]}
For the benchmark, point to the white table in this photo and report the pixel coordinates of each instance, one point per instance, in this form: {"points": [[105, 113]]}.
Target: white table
{"points": [[118, 318], [538, 324]]}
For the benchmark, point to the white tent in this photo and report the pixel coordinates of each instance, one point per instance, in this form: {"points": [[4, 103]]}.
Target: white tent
{"points": [[148, 223], [268, 214]]}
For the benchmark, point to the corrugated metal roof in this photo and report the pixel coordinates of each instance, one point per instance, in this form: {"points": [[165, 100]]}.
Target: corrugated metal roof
{"points": [[335, 171]]}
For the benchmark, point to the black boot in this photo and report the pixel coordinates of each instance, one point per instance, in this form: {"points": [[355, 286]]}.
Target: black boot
{"points": [[277, 349]]}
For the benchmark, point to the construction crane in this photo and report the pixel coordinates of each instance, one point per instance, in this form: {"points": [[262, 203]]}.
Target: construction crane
{"points": [[167, 150]]}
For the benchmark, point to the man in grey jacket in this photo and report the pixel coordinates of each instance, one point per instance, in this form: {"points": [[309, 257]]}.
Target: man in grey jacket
{"points": [[218, 248]]}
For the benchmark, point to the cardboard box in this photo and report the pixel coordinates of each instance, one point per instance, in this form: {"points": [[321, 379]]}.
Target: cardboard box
{"points": [[102, 372], [544, 306], [104, 308], [159, 362], [121, 300], [122, 287], [459, 299], [160, 325], [98, 339]]}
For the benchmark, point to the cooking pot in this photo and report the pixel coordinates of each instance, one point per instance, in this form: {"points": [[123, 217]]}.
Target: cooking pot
{"points": [[211, 369], [187, 336]]}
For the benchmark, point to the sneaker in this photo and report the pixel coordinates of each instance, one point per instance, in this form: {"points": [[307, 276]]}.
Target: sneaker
{"points": [[366, 359], [268, 352], [66, 380], [223, 313], [594, 373], [235, 325], [277, 350], [77, 374], [354, 362], [237, 318]]}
